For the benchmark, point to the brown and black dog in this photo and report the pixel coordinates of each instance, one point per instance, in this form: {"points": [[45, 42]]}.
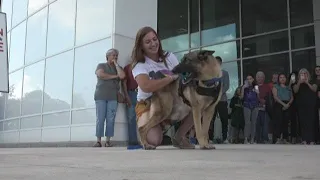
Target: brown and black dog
{"points": [[199, 92]]}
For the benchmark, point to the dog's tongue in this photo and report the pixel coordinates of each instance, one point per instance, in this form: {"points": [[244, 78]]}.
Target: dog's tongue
{"points": [[166, 72]]}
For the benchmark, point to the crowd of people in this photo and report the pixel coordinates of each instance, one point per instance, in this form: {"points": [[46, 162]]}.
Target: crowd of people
{"points": [[282, 112], [285, 110]]}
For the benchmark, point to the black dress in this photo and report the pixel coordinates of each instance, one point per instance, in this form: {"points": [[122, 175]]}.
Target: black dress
{"points": [[306, 103]]}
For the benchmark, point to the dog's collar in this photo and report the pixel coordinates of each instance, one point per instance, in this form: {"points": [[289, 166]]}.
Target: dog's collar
{"points": [[212, 82]]}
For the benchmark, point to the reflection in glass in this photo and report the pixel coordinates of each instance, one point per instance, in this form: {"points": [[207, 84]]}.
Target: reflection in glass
{"points": [[301, 12], [304, 59], [266, 44], [2, 105], [35, 5], [11, 125], [263, 16], [1, 128], [36, 36], [219, 24], [57, 95], [61, 25], [94, 20], [234, 70], [57, 119], [84, 116], [32, 88], [194, 23], [19, 12], [30, 122], [180, 55], [6, 6], [16, 59], [227, 51], [174, 32], [302, 37], [86, 60], [269, 65], [14, 96]]}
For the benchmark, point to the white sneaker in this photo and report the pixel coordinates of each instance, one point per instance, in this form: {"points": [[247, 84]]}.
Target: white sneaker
{"points": [[226, 141]]}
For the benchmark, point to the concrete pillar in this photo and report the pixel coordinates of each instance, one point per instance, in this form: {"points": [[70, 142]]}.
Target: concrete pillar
{"points": [[129, 17], [316, 17]]}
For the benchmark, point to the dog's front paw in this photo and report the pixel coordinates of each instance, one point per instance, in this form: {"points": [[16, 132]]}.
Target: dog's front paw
{"points": [[208, 147]]}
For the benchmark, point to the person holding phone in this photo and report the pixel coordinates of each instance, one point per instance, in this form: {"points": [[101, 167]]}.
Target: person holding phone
{"points": [[295, 130], [306, 102], [250, 96]]}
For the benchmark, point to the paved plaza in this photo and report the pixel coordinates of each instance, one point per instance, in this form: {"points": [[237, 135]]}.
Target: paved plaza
{"points": [[228, 162]]}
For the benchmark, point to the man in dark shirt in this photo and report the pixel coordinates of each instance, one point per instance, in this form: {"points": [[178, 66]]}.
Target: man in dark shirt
{"points": [[130, 90], [222, 106]]}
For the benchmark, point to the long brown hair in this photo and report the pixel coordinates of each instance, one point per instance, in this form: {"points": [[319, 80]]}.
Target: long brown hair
{"points": [[138, 53]]}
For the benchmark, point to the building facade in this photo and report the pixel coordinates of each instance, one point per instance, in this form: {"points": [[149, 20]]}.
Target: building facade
{"points": [[55, 46]]}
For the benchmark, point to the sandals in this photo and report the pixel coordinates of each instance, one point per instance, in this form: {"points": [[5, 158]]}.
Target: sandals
{"points": [[108, 144], [98, 144]]}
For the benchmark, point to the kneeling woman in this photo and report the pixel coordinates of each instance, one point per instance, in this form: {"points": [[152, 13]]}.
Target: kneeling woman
{"points": [[148, 59]]}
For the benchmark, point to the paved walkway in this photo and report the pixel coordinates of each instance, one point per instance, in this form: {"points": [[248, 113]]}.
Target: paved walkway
{"points": [[228, 162]]}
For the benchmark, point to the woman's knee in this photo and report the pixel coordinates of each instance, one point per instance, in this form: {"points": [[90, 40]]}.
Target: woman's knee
{"points": [[154, 136]]}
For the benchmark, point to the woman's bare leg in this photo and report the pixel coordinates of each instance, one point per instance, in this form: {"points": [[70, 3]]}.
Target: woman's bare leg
{"points": [[154, 136]]}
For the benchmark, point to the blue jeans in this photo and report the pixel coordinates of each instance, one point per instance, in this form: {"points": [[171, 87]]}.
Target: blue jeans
{"points": [[105, 111], [132, 119], [262, 126]]}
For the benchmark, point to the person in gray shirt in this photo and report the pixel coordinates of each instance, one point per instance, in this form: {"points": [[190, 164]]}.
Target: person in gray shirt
{"points": [[222, 106], [109, 75]]}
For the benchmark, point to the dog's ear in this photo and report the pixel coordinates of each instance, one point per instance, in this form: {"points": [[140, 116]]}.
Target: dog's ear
{"points": [[203, 54]]}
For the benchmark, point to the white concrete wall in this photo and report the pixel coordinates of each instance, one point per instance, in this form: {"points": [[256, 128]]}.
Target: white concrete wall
{"points": [[129, 17], [316, 16]]}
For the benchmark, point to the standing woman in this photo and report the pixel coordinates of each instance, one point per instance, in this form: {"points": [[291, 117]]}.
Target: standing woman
{"points": [[148, 61], [295, 128], [306, 102], [250, 97], [317, 120], [106, 96], [282, 108]]}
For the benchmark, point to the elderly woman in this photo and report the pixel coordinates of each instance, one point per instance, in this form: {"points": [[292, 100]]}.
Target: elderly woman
{"points": [[109, 75], [306, 102]]}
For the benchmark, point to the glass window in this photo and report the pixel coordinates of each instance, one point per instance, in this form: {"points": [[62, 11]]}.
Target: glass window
{"points": [[30, 122], [1, 129], [33, 88], [194, 23], [301, 12], [14, 95], [180, 55], [174, 32], [220, 21], [57, 95], [61, 26], [94, 20], [263, 16], [84, 116], [17, 48], [86, 60], [268, 64], [56, 119], [266, 44], [304, 59], [11, 125], [35, 5], [227, 51], [6, 7], [19, 11], [2, 105], [36, 36], [302, 37], [234, 70]]}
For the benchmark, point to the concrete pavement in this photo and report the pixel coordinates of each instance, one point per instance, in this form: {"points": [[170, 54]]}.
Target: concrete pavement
{"points": [[228, 162]]}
